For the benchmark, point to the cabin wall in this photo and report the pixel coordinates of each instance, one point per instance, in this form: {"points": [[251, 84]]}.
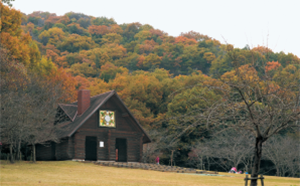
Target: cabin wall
{"points": [[133, 146], [71, 143], [124, 129], [56, 151], [64, 149], [44, 152]]}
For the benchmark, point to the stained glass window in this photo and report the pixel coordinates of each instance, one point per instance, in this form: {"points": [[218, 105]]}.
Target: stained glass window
{"points": [[107, 118]]}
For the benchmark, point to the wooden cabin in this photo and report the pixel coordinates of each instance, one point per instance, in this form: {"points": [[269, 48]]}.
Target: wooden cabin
{"points": [[98, 128]]}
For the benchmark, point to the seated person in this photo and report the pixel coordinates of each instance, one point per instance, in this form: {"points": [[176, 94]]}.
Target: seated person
{"points": [[232, 170]]}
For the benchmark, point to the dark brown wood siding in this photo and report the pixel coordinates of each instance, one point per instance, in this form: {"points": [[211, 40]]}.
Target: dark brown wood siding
{"points": [[56, 151], [64, 149], [124, 129], [45, 152]]}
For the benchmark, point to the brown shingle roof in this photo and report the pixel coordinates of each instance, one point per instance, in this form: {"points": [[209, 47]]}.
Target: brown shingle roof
{"points": [[70, 110], [95, 103]]}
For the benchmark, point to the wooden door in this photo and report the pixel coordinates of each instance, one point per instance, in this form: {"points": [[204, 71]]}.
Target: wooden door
{"points": [[121, 145], [91, 148]]}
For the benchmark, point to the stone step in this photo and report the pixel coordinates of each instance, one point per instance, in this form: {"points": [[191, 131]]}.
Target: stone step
{"points": [[148, 166]]}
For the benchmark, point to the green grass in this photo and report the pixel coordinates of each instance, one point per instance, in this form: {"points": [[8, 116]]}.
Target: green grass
{"points": [[76, 173]]}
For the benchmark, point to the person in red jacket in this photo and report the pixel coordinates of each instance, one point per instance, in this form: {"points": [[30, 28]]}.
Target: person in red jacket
{"points": [[157, 160]]}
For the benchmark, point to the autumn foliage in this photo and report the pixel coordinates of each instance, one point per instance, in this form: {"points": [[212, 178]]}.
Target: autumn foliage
{"points": [[98, 54]]}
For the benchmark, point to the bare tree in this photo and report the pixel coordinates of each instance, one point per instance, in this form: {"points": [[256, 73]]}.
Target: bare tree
{"points": [[13, 78], [151, 150], [161, 144], [284, 153], [42, 105], [12, 130], [28, 117], [226, 149], [28, 106], [200, 157]]}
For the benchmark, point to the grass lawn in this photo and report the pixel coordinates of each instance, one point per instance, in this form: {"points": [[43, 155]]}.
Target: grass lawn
{"points": [[76, 173]]}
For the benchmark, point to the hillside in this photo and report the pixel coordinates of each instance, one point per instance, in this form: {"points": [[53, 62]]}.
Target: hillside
{"points": [[143, 64]]}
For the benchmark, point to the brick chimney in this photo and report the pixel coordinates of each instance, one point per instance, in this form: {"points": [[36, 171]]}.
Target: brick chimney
{"points": [[83, 101]]}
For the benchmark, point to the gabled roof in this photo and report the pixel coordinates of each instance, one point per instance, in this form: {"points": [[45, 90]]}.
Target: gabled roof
{"points": [[95, 103], [70, 110]]}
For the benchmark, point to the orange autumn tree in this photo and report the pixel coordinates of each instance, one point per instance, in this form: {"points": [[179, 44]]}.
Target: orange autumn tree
{"points": [[273, 65], [262, 49], [195, 35], [140, 59], [12, 37], [21, 47], [98, 86], [51, 21], [66, 82], [98, 29], [147, 47], [82, 83], [185, 40]]}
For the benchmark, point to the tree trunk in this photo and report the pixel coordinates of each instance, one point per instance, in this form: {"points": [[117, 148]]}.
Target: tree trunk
{"points": [[257, 158], [20, 155], [33, 152], [208, 163], [277, 171], [172, 157], [18, 151], [11, 153], [201, 162]]}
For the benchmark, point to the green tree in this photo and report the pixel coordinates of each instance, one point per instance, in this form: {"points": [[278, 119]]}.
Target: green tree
{"points": [[109, 71], [103, 21], [76, 43], [52, 36], [85, 69]]}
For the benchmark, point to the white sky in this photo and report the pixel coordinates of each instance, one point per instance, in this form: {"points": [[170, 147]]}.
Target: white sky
{"points": [[272, 23]]}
